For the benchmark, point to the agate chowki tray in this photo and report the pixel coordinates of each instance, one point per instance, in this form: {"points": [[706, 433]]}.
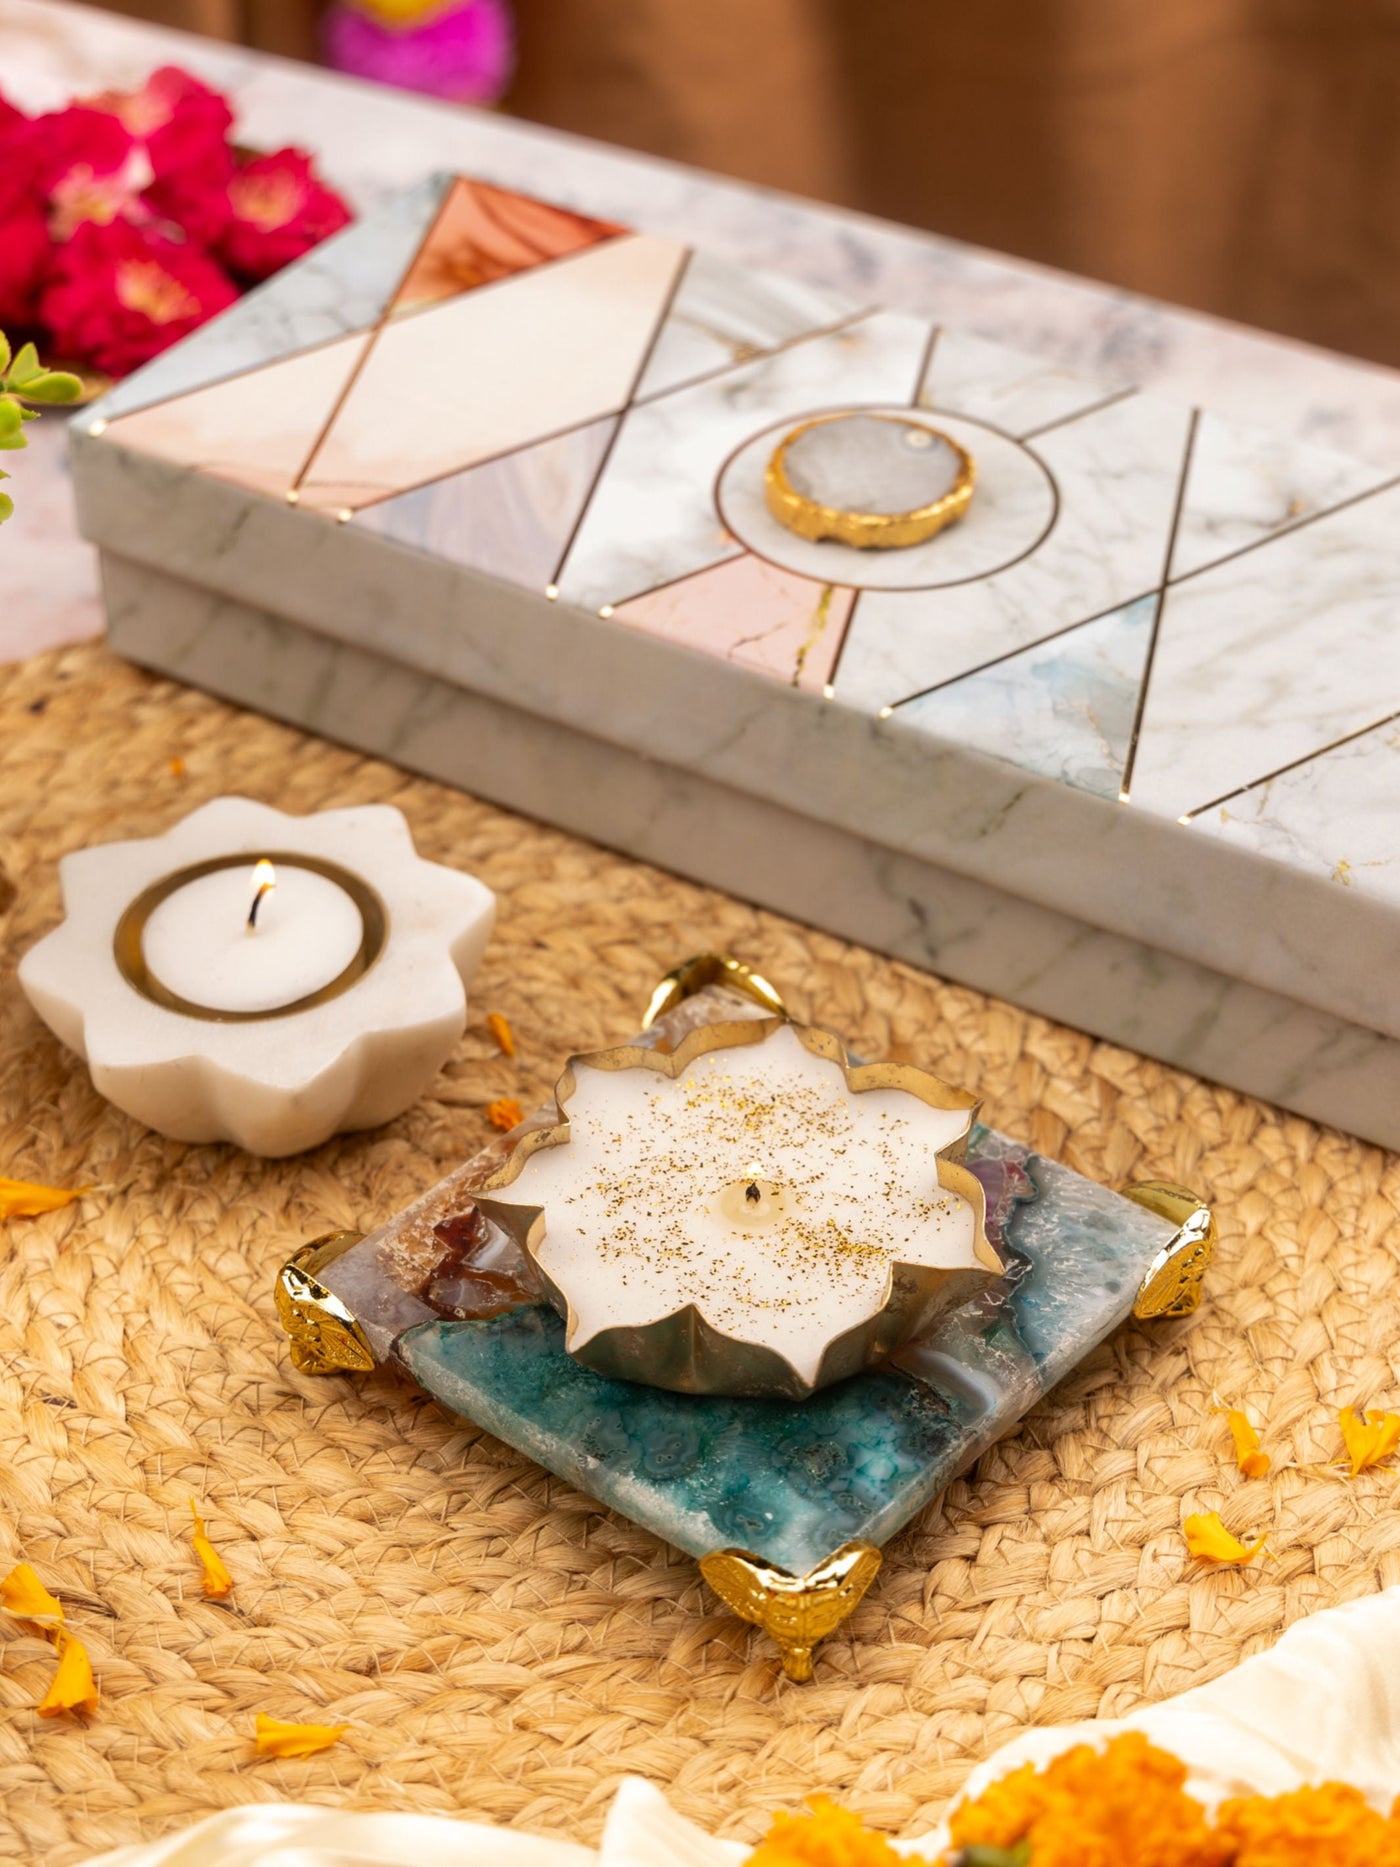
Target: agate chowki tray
{"points": [[785, 1503], [478, 486]]}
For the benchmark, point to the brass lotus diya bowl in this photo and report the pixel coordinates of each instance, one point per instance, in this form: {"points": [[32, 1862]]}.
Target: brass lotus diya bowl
{"points": [[751, 1214]]}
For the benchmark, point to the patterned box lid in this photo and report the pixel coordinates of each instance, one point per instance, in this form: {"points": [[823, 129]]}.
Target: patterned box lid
{"points": [[1146, 603]]}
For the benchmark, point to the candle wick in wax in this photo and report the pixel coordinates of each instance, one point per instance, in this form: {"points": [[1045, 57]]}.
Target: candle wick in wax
{"points": [[264, 881], [752, 1194]]}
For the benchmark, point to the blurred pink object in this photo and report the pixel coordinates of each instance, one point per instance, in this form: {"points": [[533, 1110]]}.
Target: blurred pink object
{"points": [[464, 50]]}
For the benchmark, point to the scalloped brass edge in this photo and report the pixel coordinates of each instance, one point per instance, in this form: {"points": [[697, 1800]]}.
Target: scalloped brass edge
{"points": [[702, 969], [645, 1351], [1174, 1282], [795, 1611], [865, 531], [325, 1337]]}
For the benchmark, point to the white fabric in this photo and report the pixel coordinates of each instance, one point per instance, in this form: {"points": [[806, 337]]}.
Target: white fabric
{"points": [[1323, 1705]]}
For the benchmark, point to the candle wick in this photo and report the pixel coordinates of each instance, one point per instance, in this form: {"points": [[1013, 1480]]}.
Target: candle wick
{"points": [[265, 889], [752, 1194]]}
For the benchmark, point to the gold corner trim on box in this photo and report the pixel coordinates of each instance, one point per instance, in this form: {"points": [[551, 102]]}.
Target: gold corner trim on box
{"points": [[325, 1337], [865, 531], [795, 1611], [694, 974], [1174, 1282]]}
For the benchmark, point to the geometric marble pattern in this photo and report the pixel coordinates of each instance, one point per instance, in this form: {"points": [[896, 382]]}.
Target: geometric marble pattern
{"points": [[511, 517], [482, 234], [753, 613], [344, 285], [967, 375], [1066, 705], [493, 369], [257, 429], [1145, 602]]}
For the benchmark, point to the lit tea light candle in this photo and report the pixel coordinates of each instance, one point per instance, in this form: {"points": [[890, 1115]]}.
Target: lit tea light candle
{"points": [[247, 939], [750, 1215], [261, 978]]}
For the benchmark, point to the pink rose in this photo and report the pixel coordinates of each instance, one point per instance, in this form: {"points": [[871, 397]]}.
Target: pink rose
{"points": [[278, 210], [120, 294], [181, 127], [84, 165], [24, 257]]}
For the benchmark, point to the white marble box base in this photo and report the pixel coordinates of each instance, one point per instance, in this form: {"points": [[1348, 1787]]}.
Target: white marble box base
{"points": [[1119, 988]]}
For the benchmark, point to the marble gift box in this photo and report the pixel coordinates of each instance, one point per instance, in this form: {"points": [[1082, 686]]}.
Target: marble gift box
{"points": [[477, 486]]}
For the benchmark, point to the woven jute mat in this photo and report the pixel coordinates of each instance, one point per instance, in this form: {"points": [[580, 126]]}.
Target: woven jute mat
{"points": [[502, 1647]]}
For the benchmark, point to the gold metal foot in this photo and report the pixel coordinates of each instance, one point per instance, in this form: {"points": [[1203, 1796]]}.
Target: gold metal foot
{"points": [[794, 1610], [693, 975], [325, 1337], [1174, 1281]]}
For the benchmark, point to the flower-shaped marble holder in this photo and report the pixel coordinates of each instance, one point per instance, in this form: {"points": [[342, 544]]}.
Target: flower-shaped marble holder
{"points": [[332, 1011], [786, 1504]]}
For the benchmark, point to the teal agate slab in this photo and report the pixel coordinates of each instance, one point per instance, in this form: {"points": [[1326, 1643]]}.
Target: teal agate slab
{"points": [[793, 1482]]}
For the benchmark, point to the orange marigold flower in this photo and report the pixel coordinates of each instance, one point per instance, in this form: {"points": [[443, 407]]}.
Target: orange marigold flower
{"points": [[73, 1687], [1096, 1808], [505, 1113], [24, 1595], [828, 1836], [1207, 1537], [501, 1031], [25, 1199], [218, 1583], [274, 1737], [1251, 1461], [1368, 1438], [1329, 1822]]}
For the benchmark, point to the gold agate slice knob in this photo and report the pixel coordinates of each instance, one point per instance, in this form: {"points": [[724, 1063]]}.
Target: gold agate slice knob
{"points": [[877, 482], [1174, 1281], [796, 1611], [325, 1337]]}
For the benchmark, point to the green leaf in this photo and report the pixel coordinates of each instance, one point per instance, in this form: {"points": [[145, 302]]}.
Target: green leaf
{"points": [[4, 353], [54, 386], [11, 422], [25, 367], [7, 507]]}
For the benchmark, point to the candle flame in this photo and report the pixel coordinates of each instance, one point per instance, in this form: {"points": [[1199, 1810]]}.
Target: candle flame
{"points": [[264, 881]]}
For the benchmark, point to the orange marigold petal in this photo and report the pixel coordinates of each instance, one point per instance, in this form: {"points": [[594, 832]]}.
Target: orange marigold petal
{"points": [[505, 1113], [274, 1737], [501, 1031], [1207, 1538], [218, 1583], [1251, 1461], [73, 1687], [24, 1595], [25, 1199], [1368, 1438]]}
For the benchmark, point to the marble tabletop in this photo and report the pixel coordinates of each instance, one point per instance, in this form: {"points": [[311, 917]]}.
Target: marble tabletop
{"points": [[372, 142]]}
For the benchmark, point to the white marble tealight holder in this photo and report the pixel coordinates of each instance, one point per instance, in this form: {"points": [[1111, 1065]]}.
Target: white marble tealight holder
{"points": [[261, 978]]}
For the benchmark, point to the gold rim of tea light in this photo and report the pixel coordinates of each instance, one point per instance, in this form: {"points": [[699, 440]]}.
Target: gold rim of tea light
{"points": [[684, 1352], [866, 531], [128, 947]]}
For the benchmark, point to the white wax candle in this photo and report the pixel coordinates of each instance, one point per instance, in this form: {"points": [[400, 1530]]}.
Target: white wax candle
{"points": [[198, 944], [757, 1186]]}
